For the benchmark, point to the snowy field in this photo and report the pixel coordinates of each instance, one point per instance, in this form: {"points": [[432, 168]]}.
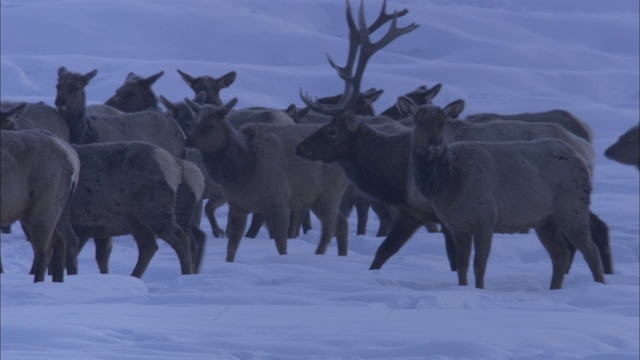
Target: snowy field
{"points": [[498, 55]]}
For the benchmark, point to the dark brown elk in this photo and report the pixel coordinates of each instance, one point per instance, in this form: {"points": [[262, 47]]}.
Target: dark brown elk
{"points": [[136, 94], [478, 188], [209, 85], [361, 49], [626, 150], [38, 201]]}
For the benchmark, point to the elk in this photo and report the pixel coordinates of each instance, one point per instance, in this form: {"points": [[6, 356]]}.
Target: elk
{"points": [[626, 150], [420, 96], [499, 130], [184, 114], [478, 188], [136, 94], [22, 116], [257, 171], [209, 85], [377, 164], [134, 187], [38, 201], [560, 117], [85, 128]]}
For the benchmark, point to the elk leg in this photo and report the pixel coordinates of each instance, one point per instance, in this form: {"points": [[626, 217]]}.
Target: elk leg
{"points": [[147, 246], [104, 245], [257, 220], [209, 210], [235, 228], [404, 227], [463, 243], [482, 245], [278, 221], [551, 239]]}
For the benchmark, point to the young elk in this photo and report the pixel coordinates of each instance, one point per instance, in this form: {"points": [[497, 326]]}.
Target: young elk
{"points": [[479, 188], [136, 94], [39, 174], [626, 150]]}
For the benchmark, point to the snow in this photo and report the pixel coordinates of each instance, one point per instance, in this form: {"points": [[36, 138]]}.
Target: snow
{"points": [[498, 55]]}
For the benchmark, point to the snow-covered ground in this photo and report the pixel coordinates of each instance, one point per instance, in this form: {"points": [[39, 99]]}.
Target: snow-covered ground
{"points": [[498, 55]]}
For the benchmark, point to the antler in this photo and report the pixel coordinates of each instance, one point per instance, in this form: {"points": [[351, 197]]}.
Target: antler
{"points": [[359, 37]]}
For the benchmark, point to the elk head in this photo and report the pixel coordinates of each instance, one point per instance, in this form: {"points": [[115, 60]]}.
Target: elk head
{"points": [[135, 94]]}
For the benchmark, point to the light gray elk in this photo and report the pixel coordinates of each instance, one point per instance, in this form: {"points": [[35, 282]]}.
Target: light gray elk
{"points": [[478, 188], [39, 174], [626, 150], [258, 172], [505, 130], [132, 187], [22, 116]]}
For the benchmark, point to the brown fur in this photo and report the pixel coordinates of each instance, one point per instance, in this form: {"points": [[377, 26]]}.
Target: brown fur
{"points": [[131, 188], [258, 172], [151, 126], [39, 173], [34, 116], [560, 117], [479, 188]]}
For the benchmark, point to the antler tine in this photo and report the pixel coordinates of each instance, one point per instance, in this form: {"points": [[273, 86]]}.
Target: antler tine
{"points": [[383, 18]]}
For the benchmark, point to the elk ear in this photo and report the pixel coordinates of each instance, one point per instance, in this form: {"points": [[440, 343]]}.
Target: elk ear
{"points": [[227, 79], [200, 98], [62, 71], [15, 110], [292, 111], [186, 77], [88, 76], [406, 106], [153, 78], [431, 93], [372, 95], [454, 109], [129, 76], [228, 106], [171, 109], [352, 122], [193, 105]]}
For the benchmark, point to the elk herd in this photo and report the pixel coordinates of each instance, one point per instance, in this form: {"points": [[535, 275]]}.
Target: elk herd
{"points": [[78, 172]]}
